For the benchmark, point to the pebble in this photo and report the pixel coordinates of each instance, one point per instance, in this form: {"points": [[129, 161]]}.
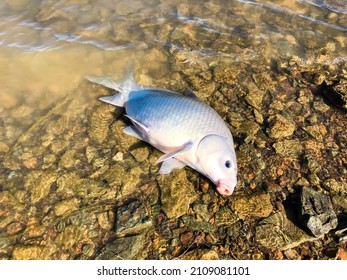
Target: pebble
{"points": [[281, 127], [317, 212], [258, 205]]}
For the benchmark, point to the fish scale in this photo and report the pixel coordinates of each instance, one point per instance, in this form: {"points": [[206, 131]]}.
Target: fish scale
{"points": [[173, 115]]}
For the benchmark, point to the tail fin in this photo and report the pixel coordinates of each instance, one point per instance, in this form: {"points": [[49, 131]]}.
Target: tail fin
{"points": [[124, 86]]}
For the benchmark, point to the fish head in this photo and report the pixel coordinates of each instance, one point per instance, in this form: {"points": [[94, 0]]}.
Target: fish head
{"points": [[216, 159]]}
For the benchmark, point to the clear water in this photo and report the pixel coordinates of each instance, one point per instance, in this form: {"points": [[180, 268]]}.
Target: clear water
{"points": [[46, 47]]}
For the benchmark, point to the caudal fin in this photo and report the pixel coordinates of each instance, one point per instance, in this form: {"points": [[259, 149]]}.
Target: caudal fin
{"points": [[124, 86]]}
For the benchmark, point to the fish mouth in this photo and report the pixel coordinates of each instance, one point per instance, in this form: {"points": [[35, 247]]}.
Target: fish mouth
{"points": [[226, 186]]}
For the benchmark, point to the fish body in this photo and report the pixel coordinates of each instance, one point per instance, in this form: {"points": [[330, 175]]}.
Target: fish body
{"points": [[188, 131]]}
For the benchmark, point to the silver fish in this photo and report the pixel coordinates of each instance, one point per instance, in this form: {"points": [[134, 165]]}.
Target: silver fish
{"points": [[188, 131]]}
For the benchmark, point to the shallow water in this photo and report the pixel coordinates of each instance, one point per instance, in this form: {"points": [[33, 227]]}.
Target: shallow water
{"points": [[54, 130], [48, 46]]}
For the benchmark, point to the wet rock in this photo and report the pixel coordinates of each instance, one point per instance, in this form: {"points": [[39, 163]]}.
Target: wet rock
{"points": [[58, 145], [66, 206], [127, 248], [288, 148], [225, 217], [30, 252], [14, 228], [210, 255], [106, 220], [291, 254], [340, 200], [193, 224], [278, 232], [316, 131], [4, 148], [69, 238], [202, 211], [68, 159], [39, 184], [317, 213], [255, 96], [177, 193], [258, 205], [71, 184], [140, 154], [99, 123], [281, 127], [335, 187], [132, 219]]}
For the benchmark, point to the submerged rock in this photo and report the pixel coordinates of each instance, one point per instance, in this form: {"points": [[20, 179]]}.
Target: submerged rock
{"points": [[132, 219], [317, 213], [258, 205], [281, 127], [126, 248], [278, 232], [177, 193]]}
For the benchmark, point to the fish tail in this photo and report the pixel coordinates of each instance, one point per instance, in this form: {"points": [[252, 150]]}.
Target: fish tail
{"points": [[123, 86]]}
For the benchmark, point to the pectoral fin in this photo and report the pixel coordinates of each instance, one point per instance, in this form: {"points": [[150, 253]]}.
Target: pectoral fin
{"points": [[170, 164], [140, 126], [176, 152]]}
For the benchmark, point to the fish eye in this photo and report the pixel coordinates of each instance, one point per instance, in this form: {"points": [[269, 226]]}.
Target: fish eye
{"points": [[227, 164]]}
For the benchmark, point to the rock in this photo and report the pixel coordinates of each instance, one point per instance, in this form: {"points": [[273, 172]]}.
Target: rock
{"points": [[288, 148], [99, 122], [68, 159], [255, 96], [70, 237], [4, 148], [281, 127], [177, 193], [316, 131], [202, 211], [258, 205], [132, 219], [106, 220], [278, 232], [341, 254], [225, 217], [30, 252], [335, 187], [193, 224], [210, 255], [140, 154], [127, 248], [340, 200], [316, 211], [39, 184], [291, 254], [66, 206]]}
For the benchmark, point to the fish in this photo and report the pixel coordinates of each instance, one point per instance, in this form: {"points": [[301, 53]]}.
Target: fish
{"points": [[188, 131]]}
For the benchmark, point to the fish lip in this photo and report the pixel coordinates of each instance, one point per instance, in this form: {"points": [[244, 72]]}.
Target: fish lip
{"points": [[226, 186]]}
